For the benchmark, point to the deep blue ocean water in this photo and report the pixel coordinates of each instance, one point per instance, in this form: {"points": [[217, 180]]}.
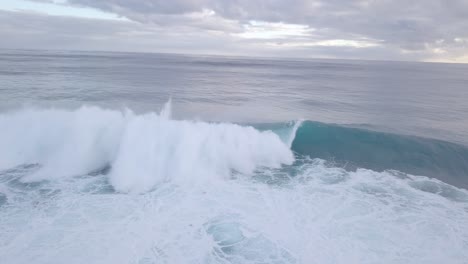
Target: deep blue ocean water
{"points": [[164, 158]]}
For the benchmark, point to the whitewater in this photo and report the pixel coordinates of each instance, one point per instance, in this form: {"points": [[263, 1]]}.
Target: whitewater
{"points": [[102, 186], [252, 161]]}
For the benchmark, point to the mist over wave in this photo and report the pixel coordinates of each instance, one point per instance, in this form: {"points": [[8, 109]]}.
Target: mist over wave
{"points": [[141, 150]]}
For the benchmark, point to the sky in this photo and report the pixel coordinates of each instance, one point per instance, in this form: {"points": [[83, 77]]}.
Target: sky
{"points": [[410, 30]]}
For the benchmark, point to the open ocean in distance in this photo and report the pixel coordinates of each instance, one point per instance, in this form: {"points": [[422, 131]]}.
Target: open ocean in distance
{"points": [[161, 158]]}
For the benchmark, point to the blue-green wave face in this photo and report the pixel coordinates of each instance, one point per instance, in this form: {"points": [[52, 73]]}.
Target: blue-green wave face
{"points": [[108, 183], [354, 147]]}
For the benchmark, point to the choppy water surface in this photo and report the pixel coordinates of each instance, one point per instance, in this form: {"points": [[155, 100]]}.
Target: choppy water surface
{"points": [[308, 161]]}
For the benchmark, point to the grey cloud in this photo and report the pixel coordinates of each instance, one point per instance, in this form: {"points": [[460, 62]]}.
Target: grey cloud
{"points": [[408, 25], [71, 33], [68, 33], [409, 30]]}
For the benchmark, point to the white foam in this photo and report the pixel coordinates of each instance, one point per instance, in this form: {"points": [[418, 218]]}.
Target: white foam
{"points": [[321, 215], [293, 132], [304, 213], [64, 143], [143, 150]]}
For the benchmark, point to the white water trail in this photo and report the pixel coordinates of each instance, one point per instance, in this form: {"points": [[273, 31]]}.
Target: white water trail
{"points": [[293, 132]]}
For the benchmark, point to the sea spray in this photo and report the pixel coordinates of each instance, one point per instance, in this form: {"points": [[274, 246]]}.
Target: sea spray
{"points": [[141, 150]]}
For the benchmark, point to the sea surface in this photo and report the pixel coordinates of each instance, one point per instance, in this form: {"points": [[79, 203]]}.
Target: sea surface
{"points": [[165, 158]]}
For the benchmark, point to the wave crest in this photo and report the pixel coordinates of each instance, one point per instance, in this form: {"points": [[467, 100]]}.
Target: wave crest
{"points": [[142, 150]]}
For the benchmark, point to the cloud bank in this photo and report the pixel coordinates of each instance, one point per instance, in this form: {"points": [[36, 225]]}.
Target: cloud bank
{"points": [[427, 30]]}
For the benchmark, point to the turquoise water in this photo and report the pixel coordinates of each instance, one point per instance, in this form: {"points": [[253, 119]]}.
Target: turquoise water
{"points": [[149, 158], [361, 148]]}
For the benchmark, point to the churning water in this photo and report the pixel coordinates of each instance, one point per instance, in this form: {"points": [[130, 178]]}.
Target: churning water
{"points": [[253, 161]]}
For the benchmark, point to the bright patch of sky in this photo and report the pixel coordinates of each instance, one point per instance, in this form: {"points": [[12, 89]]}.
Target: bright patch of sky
{"points": [[266, 30], [428, 30], [294, 35], [57, 8]]}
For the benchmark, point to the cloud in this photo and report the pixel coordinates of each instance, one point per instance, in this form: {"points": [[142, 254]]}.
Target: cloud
{"points": [[387, 29], [72, 33]]}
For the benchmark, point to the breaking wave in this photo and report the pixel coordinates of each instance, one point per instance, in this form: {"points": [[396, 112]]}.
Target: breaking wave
{"points": [[141, 150], [129, 188]]}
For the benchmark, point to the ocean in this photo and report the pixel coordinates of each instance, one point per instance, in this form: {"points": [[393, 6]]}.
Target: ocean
{"points": [[166, 158]]}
